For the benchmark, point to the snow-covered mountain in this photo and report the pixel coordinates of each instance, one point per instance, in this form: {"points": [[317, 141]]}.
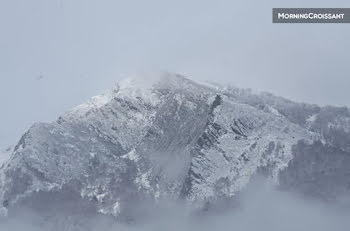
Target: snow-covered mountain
{"points": [[168, 137]]}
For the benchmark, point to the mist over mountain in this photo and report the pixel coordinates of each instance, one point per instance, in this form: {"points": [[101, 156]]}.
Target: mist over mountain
{"points": [[165, 151]]}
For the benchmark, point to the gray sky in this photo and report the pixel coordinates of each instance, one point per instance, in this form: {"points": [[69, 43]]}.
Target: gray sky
{"points": [[54, 54]]}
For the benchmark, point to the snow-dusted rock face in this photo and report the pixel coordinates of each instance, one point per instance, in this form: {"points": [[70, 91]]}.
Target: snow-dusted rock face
{"points": [[173, 138]]}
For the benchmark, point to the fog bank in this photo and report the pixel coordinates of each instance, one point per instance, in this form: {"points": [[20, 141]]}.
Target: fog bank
{"points": [[260, 207]]}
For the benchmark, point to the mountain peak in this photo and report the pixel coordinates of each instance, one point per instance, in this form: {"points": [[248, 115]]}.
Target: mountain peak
{"points": [[146, 87], [165, 136]]}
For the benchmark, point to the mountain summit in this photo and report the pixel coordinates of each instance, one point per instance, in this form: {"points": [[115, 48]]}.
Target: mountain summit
{"points": [[173, 138]]}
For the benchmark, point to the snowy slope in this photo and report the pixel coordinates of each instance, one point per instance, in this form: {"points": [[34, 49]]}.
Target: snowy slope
{"points": [[5, 154], [171, 138]]}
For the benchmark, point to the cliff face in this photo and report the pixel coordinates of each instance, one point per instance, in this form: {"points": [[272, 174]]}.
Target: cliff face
{"points": [[173, 138]]}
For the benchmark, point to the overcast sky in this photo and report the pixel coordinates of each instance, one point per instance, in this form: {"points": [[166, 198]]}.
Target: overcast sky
{"points": [[54, 54]]}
